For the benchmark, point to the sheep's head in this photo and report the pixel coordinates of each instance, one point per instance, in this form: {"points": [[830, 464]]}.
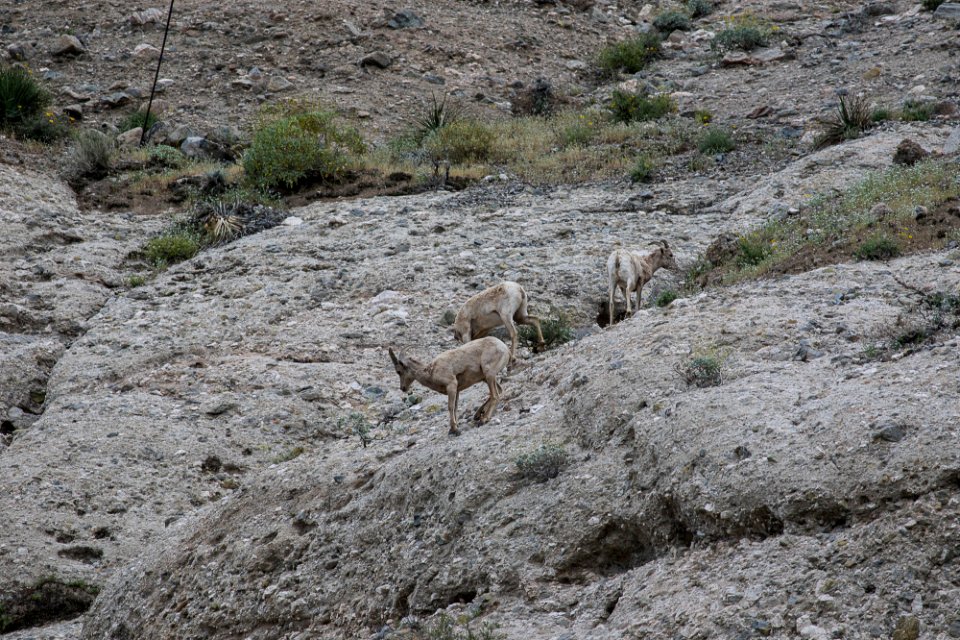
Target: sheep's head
{"points": [[402, 366], [666, 256], [461, 331]]}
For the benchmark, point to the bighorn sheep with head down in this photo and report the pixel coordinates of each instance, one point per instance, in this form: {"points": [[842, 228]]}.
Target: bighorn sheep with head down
{"points": [[629, 271], [453, 371], [502, 304]]}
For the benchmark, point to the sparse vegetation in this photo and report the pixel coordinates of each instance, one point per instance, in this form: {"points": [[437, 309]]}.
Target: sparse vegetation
{"points": [[852, 117], [543, 463], [138, 119], [555, 328], [745, 32], [356, 424], [299, 141], [716, 140], [288, 455], [631, 55], [636, 107], [704, 370], [882, 114], [91, 156], [923, 322], [916, 111], [878, 247], [665, 297], [703, 116], [931, 5], [176, 244], [23, 104], [48, 599], [673, 20], [643, 169], [753, 249], [435, 116], [699, 8], [446, 627], [136, 280], [461, 142]]}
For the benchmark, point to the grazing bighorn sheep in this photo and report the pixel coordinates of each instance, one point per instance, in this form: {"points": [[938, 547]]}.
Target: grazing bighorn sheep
{"points": [[629, 271], [502, 304], [453, 371]]}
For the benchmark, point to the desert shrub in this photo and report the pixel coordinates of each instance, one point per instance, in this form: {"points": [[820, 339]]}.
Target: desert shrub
{"points": [[852, 117], [543, 463], [165, 156], [631, 55], [881, 114], [357, 424], [136, 280], [446, 627], [672, 21], [21, 97], [752, 250], [931, 5], [555, 328], [916, 111], [701, 371], [636, 107], [538, 100], [878, 247], [45, 127], [91, 156], [288, 455], [744, 32], [699, 8], [299, 142], [137, 119], [461, 142], [716, 141], [174, 245], [703, 116], [665, 297], [580, 132], [434, 116], [643, 169]]}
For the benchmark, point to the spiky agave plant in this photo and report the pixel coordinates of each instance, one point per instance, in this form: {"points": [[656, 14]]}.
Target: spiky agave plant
{"points": [[437, 115], [220, 222], [852, 117]]}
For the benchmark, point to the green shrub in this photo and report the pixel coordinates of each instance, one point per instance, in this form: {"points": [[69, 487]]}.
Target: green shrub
{"points": [[165, 156], [752, 251], [174, 245], [435, 116], [852, 117], [44, 127], [633, 107], [699, 8], [356, 424], [881, 114], [138, 119], [703, 116], [669, 21], [136, 280], [716, 141], [461, 142], [301, 143], [555, 328], [701, 371], [746, 35], [915, 111], [543, 463], [631, 55], [21, 98], [91, 156], [878, 247], [581, 132], [446, 627], [666, 297], [643, 169]]}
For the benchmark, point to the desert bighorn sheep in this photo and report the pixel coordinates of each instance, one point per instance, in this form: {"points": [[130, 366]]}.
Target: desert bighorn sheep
{"points": [[502, 304], [453, 371], [629, 271]]}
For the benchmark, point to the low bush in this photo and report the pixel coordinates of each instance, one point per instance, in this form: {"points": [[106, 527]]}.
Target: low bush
{"points": [[631, 55], [699, 8], [753, 249], [21, 97], [643, 169], [701, 371], [174, 245], [665, 297], [669, 21], [435, 116], [461, 142], [878, 247], [716, 141], [138, 119], [852, 117], [636, 107], [556, 330], [744, 32], [543, 463], [91, 156], [916, 111]]}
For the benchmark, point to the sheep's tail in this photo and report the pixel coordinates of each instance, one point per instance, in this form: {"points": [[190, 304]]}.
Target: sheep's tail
{"points": [[616, 263]]}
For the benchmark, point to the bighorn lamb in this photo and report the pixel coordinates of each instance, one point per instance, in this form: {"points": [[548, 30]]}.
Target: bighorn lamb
{"points": [[629, 271], [502, 304], [453, 371]]}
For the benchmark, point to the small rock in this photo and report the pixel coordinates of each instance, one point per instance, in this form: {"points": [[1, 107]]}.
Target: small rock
{"points": [[881, 210], [954, 629], [908, 627], [18, 51], [130, 138], [405, 19], [948, 11], [292, 221], [146, 52], [147, 16], [953, 142], [909, 153], [74, 111], [278, 84], [762, 627], [68, 45], [115, 100], [891, 432], [376, 59]]}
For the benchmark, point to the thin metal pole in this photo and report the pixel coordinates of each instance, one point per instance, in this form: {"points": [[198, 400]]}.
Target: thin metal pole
{"points": [[156, 76]]}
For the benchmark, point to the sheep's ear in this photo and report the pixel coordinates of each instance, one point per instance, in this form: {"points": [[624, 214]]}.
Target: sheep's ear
{"points": [[393, 356]]}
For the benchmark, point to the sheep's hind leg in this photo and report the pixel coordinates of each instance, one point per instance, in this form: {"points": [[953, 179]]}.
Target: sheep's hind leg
{"points": [[487, 408], [453, 393]]}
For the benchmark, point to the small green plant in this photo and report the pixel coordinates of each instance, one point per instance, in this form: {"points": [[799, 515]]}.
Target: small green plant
{"points": [[643, 169], [916, 111], [633, 107], [138, 119], [716, 140], [852, 117], [21, 97], [881, 114], [177, 244], [701, 371], [581, 132], [461, 142], [287, 456], [931, 5], [446, 627], [297, 142], [699, 8], [412, 399], [745, 33], [753, 249], [91, 156], [555, 328], [435, 116], [543, 463], [665, 297], [669, 21], [703, 116], [878, 247], [136, 280], [356, 423], [695, 275], [167, 157], [631, 55]]}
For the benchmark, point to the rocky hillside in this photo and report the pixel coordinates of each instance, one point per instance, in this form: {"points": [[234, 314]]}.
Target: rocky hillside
{"points": [[220, 449]]}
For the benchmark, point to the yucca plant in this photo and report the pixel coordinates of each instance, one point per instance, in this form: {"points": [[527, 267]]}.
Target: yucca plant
{"points": [[21, 97], [435, 116], [852, 117]]}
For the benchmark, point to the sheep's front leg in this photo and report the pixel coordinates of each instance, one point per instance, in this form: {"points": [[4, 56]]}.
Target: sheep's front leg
{"points": [[639, 289], [613, 288], [512, 330], [453, 392], [626, 296]]}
